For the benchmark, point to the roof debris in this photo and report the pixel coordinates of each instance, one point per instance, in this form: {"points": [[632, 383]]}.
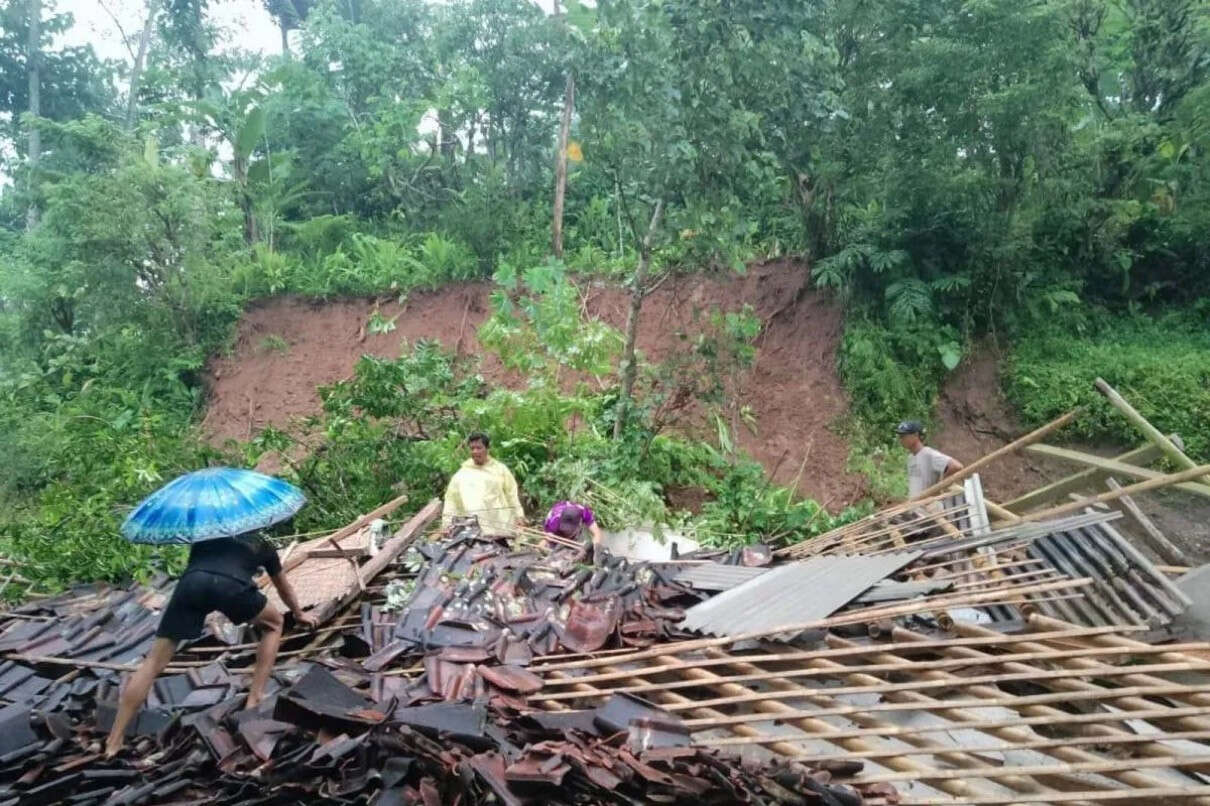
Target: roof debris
{"points": [[455, 669]]}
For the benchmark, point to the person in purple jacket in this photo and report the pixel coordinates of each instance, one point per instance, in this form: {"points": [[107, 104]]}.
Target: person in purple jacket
{"points": [[569, 519]]}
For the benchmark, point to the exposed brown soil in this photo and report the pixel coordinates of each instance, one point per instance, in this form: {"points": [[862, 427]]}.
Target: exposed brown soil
{"points": [[285, 348], [975, 419]]}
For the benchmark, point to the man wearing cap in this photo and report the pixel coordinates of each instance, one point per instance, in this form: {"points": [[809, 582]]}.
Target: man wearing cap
{"points": [[926, 466]]}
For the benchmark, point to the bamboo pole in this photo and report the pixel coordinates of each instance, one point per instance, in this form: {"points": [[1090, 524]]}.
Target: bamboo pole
{"points": [[1000, 512], [882, 687], [1111, 466], [1017, 444], [1146, 795], [1007, 701], [1047, 654], [1085, 478], [1086, 767], [1153, 434], [1125, 739], [1164, 548], [876, 728], [1113, 495]]}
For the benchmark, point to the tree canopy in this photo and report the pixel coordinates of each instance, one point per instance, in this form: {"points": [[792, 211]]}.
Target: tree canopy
{"points": [[950, 168]]}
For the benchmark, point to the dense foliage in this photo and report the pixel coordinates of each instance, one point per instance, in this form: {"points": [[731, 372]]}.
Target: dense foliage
{"points": [[949, 168], [1161, 365]]}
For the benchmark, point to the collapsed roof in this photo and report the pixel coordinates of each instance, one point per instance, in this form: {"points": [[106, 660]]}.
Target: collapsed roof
{"points": [[948, 650]]}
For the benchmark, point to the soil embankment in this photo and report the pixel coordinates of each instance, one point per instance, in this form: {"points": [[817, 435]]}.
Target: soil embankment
{"points": [[285, 348]]}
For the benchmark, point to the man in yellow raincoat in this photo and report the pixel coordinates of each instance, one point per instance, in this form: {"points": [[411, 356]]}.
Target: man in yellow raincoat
{"points": [[485, 488]]}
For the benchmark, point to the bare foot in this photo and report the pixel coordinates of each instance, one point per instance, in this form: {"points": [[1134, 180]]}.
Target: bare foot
{"points": [[113, 746], [252, 701]]}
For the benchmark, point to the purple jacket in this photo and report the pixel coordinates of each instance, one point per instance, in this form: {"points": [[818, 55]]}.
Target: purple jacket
{"points": [[556, 514]]}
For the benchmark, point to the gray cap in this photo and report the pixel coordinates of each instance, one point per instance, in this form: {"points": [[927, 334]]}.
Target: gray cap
{"points": [[909, 427]]}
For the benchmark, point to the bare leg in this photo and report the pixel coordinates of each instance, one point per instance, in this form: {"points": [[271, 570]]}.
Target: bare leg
{"points": [[270, 622], [136, 690]]}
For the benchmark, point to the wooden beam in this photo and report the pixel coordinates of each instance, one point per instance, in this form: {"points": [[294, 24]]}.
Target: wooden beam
{"points": [[338, 554], [1113, 495], [390, 550], [1085, 478], [999, 511], [1164, 548], [1152, 433], [340, 534], [1114, 466], [1016, 444]]}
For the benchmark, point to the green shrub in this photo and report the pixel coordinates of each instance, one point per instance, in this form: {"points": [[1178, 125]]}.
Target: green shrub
{"points": [[1161, 365], [894, 373]]}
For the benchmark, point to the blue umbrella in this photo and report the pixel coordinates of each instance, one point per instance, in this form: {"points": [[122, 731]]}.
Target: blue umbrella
{"points": [[211, 503]]}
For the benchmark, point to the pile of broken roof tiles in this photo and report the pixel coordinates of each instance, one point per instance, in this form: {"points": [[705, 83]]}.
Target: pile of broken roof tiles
{"points": [[478, 599], [424, 704], [319, 738]]}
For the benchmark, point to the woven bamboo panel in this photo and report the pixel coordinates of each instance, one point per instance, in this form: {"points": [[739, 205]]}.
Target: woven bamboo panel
{"points": [[320, 579]]}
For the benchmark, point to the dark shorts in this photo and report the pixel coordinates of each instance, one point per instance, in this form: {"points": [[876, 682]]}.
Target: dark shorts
{"points": [[200, 593]]}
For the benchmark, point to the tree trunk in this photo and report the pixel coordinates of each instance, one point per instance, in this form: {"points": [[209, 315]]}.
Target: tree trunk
{"points": [[447, 140], [33, 63], [140, 59], [569, 100], [245, 201], [637, 292]]}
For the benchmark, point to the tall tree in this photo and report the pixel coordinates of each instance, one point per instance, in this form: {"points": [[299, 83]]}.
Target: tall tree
{"points": [[290, 15], [569, 99], [33, 60], [140, 61]]}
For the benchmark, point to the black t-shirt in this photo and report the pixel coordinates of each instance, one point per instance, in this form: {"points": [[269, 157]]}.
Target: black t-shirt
{"points": [[238, 557]]}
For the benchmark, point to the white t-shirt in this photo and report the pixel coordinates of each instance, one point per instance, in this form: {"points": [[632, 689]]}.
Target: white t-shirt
{"points": [[925, 469]]}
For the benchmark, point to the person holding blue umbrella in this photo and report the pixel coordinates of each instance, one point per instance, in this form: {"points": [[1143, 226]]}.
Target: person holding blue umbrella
{"points": [[218, 512]]}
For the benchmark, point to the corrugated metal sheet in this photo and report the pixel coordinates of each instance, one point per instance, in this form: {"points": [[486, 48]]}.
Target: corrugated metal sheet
{"points": [[793, 594], [718, 577], [1126, 589], [893, 591]]}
